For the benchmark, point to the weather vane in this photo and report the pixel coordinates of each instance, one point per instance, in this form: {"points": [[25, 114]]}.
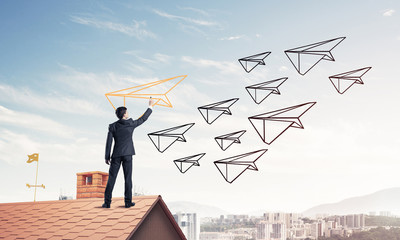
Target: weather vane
{"points": [[34, 158]]}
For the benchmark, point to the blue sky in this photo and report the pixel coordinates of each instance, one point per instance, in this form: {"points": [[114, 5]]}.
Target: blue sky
{"points": [[58, 59]]}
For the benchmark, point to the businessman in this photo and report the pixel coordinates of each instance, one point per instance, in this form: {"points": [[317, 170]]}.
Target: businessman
{"points": [[121, 131]]}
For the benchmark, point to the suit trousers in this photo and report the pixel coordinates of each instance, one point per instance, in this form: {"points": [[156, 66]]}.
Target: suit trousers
{"points": [[112, 176]]}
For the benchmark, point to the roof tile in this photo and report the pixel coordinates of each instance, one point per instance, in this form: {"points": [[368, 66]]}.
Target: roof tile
{"points": [[72, 219]]}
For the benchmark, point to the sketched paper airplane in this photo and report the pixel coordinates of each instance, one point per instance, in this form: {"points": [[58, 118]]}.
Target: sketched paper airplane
{"points": [[213, 111], [271, 125], [250, 62], [344, 81], [225, 141], [143, 91], [163, 139], [260, 91], [183, 164], [231, 168], [306, 57]]}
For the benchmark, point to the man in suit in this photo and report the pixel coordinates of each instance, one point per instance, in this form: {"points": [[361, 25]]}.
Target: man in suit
{"points": [[121, 131]]}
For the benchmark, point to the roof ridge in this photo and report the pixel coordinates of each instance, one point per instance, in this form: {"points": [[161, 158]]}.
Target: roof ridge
{"points": [[74, 200]]}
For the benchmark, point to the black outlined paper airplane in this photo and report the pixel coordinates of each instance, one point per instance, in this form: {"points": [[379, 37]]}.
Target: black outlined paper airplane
{"points": [[231, 168], [213, 111], [271, 125], [163, 139], [344, 81], [226, 140], [260, 91], [184, 164], [250, 62], [306, 57]]}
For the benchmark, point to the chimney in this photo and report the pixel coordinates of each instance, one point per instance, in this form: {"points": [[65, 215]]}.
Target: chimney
{"points": [[91, 184]]}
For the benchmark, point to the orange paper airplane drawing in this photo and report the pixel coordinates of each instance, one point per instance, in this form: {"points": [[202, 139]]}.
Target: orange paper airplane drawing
{"points": [[142, 91]]}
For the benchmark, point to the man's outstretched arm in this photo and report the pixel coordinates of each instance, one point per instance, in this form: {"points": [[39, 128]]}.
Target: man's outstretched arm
{"points": [[108, 146], [146, 114]]}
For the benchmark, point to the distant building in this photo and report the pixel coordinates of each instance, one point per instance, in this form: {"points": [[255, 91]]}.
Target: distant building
{"points": [[271, 231], [337, 231], [322, 215], [372, 213], [216, 236], [350, 221], [189, 224], [355, 221], [278, 217], [311, 230], [233, 218], [385, 213], [329, 225]]}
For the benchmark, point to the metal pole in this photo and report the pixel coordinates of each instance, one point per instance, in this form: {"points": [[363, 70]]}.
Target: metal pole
{"points": [[37, 167]]}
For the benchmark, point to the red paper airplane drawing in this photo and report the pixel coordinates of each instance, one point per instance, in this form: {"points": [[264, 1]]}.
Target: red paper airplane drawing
{"points": [[250, 62], [306, 57], [271, 125], [260, 91], [231, 168], [344, 81]]}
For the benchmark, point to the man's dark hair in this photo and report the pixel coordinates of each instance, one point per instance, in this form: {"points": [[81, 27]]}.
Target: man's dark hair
{"points": [[120, 112]]}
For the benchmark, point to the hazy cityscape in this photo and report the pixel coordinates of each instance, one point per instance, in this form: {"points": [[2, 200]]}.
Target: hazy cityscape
{"points": [[282, 226]]}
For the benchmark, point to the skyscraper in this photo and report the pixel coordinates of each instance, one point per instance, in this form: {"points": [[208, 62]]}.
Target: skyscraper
{"points": [[189, 224], [271, 231]]}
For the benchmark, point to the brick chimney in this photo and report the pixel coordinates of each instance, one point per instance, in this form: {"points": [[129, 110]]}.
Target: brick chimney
{"points": [[91, 184]]}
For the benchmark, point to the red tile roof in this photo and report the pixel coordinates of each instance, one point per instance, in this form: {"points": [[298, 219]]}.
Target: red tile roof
{"points": [[77, 219]]}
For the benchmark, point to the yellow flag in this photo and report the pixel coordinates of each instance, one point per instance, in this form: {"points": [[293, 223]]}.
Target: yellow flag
{"points": [[33, 157]]}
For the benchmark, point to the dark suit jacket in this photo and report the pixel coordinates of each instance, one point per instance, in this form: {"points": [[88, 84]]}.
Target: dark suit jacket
{"points": [[122, 131]]}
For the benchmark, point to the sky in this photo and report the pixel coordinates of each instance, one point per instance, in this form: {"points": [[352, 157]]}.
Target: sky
{"points": [[58, 59]]}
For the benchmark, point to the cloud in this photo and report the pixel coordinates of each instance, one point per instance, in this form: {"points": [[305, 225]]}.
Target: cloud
{"points": [[223, 66], [232, 38], [184, 19], [162, 57], [16, 146], [388, 12], [200, 11], [60, 103], [137, 68], [192, 29], [34, 122], [97, 84], [283, 68], [135, 30], [156, 58]]}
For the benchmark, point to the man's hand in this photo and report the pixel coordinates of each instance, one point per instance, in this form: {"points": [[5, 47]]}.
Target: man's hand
{"points": [[151, 102], [108, 161]]}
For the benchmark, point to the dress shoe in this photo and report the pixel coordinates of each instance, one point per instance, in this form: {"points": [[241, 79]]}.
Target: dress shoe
{"points": [[128, 205], [105, 205]]}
